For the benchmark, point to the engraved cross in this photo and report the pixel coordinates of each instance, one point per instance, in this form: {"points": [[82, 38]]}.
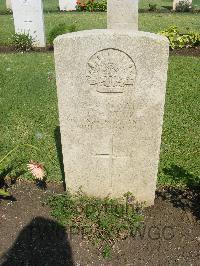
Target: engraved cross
{"points": [[110, 156]]}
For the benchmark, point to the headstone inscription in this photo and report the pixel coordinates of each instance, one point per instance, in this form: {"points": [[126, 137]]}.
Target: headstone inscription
{"points": [[111, 92], [28, 18]]}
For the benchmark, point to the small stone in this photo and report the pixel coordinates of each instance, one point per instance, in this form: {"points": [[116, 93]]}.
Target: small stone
{"points": [[198, 238]]}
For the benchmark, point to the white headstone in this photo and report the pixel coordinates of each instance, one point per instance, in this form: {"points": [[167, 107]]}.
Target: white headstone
{"points": [[125, 17], [176, 2], [67, 5], [111, 91], [28, 18], [8, 4]]}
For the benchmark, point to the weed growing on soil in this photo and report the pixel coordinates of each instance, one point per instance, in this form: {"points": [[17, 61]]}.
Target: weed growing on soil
{"points": [[102, 221], [22, 42]]}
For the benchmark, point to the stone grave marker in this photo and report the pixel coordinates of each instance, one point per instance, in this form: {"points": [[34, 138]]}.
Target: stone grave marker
{"points": [[8, 4], [111, 91], [176, 2], [67, 5], [125, 17], [28, 18]]}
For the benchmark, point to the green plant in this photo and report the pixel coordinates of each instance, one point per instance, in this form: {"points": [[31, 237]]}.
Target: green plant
{"points": [[101, 220], [183, 6], [178, 40], [22, 41], [152, 7], [106, 251], [36, 169], [4, 193], [6, 11], [60, 29], [100, 6], [92, 5]]}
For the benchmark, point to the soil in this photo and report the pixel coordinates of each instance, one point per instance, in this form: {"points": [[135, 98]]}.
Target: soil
{"points": [[30, 236], [195, 51], [11, 49], [186, 51]]}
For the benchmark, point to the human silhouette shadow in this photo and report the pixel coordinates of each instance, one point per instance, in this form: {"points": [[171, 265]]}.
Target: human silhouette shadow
{"points": [[42, 242]]}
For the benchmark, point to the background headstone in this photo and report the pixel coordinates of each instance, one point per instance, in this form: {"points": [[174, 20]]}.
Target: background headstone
{"points": [[111, 92], [67, 5], [122, 17], [8, 4], [28, 18], [176, 2]]}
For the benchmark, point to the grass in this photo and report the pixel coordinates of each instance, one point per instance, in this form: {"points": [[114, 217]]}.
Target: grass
{"points": [[180, 160], [151, 22], [28, 109], [28, 114]]}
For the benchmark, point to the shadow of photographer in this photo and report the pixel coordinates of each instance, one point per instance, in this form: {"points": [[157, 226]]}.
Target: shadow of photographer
{"points": [[41, 242]]}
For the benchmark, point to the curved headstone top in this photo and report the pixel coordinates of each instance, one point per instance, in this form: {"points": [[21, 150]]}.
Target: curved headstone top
{"points": [[111, 32], [111, 88]]}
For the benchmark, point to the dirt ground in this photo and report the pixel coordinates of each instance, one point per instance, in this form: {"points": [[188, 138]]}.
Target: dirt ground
{"points": [[30, 236]]}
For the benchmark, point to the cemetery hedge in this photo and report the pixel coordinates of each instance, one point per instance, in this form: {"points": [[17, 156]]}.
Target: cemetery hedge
{"points": [[29, 115], [152, 22]]}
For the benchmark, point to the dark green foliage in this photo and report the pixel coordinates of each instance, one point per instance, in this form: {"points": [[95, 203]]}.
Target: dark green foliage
{"points": [[178, 40], [22, 42], [60, 29], [56, 31], [3, 185], [101, 220], [100, 6], [152, 7], [92, 5]]}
